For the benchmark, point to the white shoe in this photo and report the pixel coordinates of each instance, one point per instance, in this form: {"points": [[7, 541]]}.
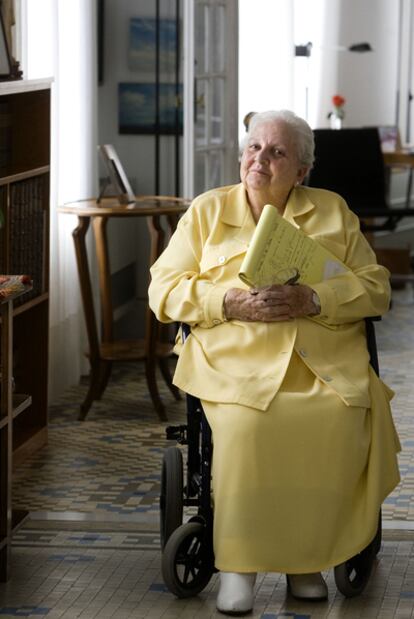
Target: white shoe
{"points": [[307, 586], [235, 595]]}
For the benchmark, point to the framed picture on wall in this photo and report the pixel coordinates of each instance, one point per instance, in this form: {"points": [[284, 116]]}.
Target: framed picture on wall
{"points": [[390, 138], [143, 45], [5, 58], [137, 108]]}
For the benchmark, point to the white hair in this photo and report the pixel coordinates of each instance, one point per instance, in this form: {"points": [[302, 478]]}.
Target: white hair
{"points": [[304, 138]]}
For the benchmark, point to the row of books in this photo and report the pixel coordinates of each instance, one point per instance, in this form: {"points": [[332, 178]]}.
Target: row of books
{"points": [[26, 225], [5, 135]]}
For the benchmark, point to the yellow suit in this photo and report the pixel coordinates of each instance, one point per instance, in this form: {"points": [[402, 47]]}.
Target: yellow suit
{"points": [[241, 366]]}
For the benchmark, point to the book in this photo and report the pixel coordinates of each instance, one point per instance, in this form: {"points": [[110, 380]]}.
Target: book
{"points": [[13, 285], [280, 253]]}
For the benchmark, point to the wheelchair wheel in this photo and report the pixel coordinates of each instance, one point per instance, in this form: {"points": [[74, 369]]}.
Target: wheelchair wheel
{"points": [[351, 577], [378, 536], [171, 497], [187, 561]]}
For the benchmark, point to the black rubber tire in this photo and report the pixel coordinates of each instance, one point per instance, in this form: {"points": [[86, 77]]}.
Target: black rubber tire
{"points": [[351, 577], [378, 536], [171, 496], [187, 561]]}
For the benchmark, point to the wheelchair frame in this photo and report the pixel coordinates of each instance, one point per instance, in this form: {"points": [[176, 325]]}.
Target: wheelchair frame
{"points": [[187, 549]]}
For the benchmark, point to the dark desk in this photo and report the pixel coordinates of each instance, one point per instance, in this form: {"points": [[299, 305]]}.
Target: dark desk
{"points": [[403, 159], [162, 214], [399, 157]]}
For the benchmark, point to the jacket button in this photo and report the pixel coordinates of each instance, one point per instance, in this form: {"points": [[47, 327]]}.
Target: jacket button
{"points": [[303, 353], [222, 260], [216, 321], [327, 378]]}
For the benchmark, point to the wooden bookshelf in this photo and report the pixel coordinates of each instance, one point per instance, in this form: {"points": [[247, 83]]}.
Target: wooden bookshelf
{"points": [[24, 249]]}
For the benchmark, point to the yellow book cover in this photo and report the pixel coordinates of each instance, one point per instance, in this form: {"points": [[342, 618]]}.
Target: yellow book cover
{"points": [[280, 253]]}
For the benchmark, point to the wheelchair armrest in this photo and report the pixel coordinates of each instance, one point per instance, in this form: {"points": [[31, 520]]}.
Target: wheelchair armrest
{"points": [[371, 341], [185, 330]]}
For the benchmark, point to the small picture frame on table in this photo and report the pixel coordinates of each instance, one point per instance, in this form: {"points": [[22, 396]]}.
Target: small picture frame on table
{"points": [[9, 67], [116, 175]]}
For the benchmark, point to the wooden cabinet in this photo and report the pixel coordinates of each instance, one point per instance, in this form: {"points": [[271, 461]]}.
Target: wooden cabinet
{"points": [[24, 248], [12, 405]]}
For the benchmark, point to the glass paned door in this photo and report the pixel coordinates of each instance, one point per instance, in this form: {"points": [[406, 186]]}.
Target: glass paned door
{"points": [[210, 95]]}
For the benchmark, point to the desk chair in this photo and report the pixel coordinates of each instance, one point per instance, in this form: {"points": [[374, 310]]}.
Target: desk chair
{"points": [[393, 152], [351, 162]]}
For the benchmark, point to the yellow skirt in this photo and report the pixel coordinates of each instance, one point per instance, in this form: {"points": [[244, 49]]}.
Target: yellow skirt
{"points": [[298, 488]]}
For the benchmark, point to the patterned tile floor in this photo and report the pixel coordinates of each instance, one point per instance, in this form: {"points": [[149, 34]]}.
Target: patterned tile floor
{"points": [[91, 547]]}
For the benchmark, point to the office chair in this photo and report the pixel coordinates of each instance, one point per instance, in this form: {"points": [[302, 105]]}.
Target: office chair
{"points": [[350, 162]]}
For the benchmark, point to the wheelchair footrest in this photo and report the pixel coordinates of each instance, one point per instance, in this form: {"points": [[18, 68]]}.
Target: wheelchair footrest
{"points": [[177, 433]]}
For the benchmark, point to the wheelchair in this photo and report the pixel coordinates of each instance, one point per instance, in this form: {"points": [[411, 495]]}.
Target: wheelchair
{"points": [[187, 548]]}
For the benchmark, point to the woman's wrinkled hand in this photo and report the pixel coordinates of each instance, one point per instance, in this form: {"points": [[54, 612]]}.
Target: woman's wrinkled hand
{"points": [[270, 303]]}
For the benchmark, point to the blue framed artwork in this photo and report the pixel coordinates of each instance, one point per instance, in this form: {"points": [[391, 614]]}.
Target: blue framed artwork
{"points": [[142, 45], [137, 108]]}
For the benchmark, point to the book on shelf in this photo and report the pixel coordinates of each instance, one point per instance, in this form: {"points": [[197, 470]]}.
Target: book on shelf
{"points": [[280, 253], [12, 285]]}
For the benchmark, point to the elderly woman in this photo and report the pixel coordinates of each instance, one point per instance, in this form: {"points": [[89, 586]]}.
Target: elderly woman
{"points": [[304, 442]]}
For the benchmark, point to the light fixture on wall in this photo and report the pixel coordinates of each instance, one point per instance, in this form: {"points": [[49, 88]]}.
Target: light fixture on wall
{"points": [[305, 50]]}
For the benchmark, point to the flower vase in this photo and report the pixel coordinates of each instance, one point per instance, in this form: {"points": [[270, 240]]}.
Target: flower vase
{"points": [[336, 122]]}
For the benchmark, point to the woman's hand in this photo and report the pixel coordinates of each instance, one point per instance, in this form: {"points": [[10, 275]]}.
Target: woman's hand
{"points": [[270, 303]]}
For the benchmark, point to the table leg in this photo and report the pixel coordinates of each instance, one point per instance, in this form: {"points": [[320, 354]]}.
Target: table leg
{"points": [[166, 374], [79, 235], [95, 388], [150, 368], [104, 378], [6, 438], [104, 270], [152, 330]]}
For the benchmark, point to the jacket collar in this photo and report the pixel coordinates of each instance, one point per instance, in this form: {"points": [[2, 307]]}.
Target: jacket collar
{"points": [[235, 206], [236, 211], [298, 204]]}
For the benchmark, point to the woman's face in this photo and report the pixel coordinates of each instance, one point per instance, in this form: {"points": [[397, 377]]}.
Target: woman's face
{"points": [[269, 162]]}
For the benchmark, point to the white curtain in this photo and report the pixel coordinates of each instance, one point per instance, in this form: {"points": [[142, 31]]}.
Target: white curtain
{"points": [[59, 41], [270, 77], [265, 56]]}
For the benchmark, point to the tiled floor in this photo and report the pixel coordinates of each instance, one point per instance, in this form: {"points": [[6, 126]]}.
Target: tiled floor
{"points": [[91, 545]]}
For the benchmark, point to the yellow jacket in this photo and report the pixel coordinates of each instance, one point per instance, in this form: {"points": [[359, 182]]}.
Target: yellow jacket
{"points": [[245, 362]]}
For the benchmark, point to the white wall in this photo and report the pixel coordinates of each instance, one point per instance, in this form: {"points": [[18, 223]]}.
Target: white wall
{"points": [[265, 56], [369, 80], [268, 32]]}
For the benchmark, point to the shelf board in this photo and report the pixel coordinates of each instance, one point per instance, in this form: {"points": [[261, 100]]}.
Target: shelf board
{"points": [[29, 442], [3, 422], [41, 298], [16, 87], [20, 402], [11, 174], [35, 301], [18, 518]]}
